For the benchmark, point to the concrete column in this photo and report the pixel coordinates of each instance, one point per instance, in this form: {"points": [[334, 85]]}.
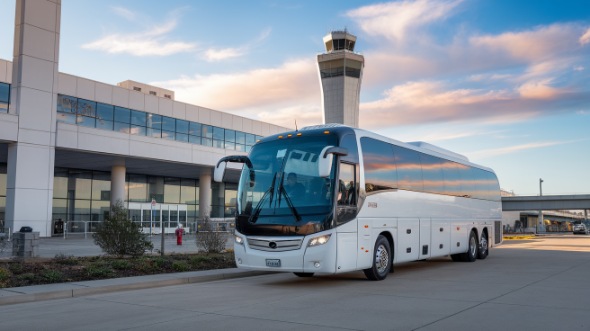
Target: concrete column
{"points": [[118, 184], [29, 193], [205, 194]]}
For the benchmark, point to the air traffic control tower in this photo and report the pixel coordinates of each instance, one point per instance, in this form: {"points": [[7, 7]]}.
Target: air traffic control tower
{"points": [[341, 72]]}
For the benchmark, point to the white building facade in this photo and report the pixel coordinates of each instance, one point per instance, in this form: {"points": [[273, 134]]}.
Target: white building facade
{"points": [[71, 146]]}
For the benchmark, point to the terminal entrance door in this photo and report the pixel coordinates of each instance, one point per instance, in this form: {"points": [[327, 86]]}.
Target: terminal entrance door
{"points": [[151, 217]]}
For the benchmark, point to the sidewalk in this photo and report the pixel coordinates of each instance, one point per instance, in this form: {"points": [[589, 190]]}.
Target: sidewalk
{"points": [[50, 247]]}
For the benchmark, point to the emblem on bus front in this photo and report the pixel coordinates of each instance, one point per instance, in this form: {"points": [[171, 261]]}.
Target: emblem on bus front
{"points": [[272, 244]]}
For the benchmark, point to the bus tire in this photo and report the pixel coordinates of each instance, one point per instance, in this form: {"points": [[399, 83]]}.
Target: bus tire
{"points": [[303, 274], [471, 253], [381, 260], [483, 249]]}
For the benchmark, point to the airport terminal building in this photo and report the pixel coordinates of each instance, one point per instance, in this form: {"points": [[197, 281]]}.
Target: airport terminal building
{"points": [[71, 146]]}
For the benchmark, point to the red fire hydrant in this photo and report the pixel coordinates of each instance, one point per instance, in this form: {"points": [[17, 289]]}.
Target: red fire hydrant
{"points": [[179, 231]]}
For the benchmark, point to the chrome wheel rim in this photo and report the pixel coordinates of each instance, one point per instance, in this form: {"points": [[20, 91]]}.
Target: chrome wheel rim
{"points": [[381, 259], [472, 246], [484, 244]]}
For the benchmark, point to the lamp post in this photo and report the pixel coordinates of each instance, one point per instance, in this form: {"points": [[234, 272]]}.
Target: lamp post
{"points": [[540, 224]]}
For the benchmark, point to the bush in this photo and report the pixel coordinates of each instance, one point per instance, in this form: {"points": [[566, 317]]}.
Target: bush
{"points": [[120, 236], [65, 259], [120, 264], [99, 271], [180, 266], [208, 240], [52, 276]]}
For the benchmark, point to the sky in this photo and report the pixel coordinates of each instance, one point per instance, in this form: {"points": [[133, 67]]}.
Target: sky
{"points": [[505, 83]]}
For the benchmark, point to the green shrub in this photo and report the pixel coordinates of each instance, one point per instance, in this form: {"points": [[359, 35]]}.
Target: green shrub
{"points": [[180, 266], [52, 276], [4, 274], [118, 235], [99, 271], [65, 259], [26, 277], [16, 268], [120, 264]]}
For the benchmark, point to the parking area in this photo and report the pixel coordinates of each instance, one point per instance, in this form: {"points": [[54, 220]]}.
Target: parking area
{"points": [[538, 284]]}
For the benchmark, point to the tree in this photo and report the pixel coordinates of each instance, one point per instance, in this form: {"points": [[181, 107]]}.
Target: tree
{"points": [[208, 239], [118, 235]]}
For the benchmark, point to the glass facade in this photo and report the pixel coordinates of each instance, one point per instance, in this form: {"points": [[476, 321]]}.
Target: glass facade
{"points": [[84, 195], [114, 118], [4, 97]]}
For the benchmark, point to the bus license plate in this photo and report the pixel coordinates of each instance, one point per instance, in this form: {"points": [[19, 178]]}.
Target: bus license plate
{"points": [[274, 263]]}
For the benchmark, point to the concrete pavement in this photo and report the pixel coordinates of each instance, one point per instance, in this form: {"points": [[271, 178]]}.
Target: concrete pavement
{"points": [[538, 284]]}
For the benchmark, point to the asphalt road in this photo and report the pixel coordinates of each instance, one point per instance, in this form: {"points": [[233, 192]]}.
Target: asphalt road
{"points": [[540, 284]]}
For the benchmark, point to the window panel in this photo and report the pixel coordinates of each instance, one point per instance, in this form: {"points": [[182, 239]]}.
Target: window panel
{"points": [[188, 193], [86, 108], [104, 112], [172, 190], [194, 129], [230, 136], [170, 135], [137, 188], [218, 133], [101, 186], [138, 118], [250, 139], [181, 137], [380, 169], [181, 126], [66, 104], [121, 127], [168, 124], [194, 140], [104, 125], [432, 173], [409, 169], [207, 131], [138, 130], [240, 137], [122, 115], [85, 121]]}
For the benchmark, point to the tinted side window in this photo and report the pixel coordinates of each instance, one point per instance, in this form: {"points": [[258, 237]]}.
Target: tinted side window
{"points": [[380, 170], [453, 180], [432, 173], [409, 170], [349, 142]]}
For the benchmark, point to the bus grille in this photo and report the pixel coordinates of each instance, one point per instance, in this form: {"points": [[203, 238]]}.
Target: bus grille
{"points": [[275, 245], [498, 231]]}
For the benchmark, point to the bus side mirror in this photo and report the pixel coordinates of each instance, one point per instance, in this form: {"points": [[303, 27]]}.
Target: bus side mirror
{"points": [[327, 157], [222, 164], [219, 172]]}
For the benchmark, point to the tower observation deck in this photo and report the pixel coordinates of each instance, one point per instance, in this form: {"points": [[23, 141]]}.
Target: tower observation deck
{"points": [[340, 72]]}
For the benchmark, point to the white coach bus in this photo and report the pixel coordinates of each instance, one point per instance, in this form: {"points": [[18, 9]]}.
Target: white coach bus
{"points": [[332, 199]]}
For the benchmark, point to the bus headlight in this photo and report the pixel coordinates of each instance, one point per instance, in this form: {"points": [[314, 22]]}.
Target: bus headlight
{"points": [[239, 240], [317, 241]]}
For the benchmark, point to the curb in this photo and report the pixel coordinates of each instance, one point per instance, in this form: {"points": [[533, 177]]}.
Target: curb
{"points": [[16, 295]]}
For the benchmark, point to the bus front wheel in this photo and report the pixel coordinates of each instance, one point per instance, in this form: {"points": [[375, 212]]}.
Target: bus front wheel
{"points": [[381, 260]]}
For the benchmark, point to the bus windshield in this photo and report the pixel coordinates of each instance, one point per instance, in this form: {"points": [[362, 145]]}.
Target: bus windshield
{"points": [[287, 196]]}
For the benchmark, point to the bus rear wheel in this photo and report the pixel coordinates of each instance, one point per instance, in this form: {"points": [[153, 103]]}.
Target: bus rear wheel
{"points": [[483, 251], [472, 251], [381, 260], [303, 274]]}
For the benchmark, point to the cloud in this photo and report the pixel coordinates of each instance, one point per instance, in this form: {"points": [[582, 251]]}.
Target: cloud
{"points": [[483, 154], [539, 89], [396, 20], [531, 45], [152, 41], [267, 94], [124, 12], [216, 54], [213, 55], [585, 38]]}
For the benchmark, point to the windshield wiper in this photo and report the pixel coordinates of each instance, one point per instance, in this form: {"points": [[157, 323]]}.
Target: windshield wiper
{"points": [[254, 216], [282, 191]]}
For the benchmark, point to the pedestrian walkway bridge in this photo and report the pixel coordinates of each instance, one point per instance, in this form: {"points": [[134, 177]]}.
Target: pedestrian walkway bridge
{"points": [[546, 202]]}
